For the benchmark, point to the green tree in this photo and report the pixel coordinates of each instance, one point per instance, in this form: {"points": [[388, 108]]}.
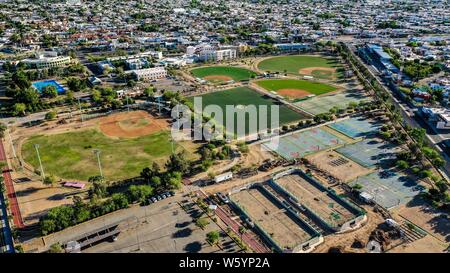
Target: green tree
{"points": [[402, 164], [50, 91], [3, 128], [50, 115], [178, 163], [56, 248], [49, 180], [140, 192], [19, 109], [202, 222], [213, 237]]}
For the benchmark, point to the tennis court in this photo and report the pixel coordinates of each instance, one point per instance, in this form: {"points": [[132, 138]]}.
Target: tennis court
{"points": [[323, 104], [357, 127], [370, 152], [303, 143], [389, 188]]}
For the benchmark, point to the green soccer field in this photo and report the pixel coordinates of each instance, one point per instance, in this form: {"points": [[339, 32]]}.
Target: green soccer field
{"points": [[315, 88], [70, 155], [292, 65], [235, 73], [247, 96]]}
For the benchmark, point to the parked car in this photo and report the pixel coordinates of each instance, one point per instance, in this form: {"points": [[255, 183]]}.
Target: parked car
{"points": [[154, 199]]}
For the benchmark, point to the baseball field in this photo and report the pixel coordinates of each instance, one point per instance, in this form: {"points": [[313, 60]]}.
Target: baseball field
{"points": [[316, 66], [219, 74], [245, 96], [295, 89], [128, 142]]}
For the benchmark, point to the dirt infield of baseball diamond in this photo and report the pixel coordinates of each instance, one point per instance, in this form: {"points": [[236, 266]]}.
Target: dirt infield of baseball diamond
{"points": [[131, 124]]}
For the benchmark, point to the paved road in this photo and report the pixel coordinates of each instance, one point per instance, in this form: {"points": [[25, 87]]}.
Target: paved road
{"points": [[10, 192], [433, 137]]}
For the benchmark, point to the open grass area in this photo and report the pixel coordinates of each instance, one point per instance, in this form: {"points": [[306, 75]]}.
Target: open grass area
{"points": [[293, 65], [70, 155], [221, 73], [246, 96], [311, 87]]}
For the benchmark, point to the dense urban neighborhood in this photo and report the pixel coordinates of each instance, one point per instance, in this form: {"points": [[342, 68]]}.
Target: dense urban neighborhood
{"points": [[323, 126]]}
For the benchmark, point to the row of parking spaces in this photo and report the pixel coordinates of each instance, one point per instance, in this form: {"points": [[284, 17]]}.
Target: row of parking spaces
{"points": [[357, 127], [370, 152], [388, 188], [303, 143], [6, 243], [159, 197]]}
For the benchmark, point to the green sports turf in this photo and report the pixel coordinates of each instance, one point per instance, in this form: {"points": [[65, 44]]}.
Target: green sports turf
{"points": [[247, 96], [236, 73], [292, 64], [70, 155], [315, 88]]}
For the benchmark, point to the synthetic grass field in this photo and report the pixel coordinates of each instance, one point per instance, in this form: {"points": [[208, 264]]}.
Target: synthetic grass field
{"points": [[218, 74], [246, 96], [294, 89], [323, 104], [316, 66], [70, 155]]}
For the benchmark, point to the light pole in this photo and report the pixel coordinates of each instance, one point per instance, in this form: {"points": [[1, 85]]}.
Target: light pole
{"points": [[128, 106], [97, 153], [36, 146]]}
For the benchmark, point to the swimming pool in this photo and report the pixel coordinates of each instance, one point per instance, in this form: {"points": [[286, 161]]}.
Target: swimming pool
{"points": [[40, 86]]}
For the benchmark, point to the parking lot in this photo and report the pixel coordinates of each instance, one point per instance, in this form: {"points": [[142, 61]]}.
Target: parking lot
{"points": [[168, 228]]}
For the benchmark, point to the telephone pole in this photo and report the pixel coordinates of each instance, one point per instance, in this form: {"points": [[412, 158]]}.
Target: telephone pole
{"points": [[128, 106], [36, 146], [97, 153]]}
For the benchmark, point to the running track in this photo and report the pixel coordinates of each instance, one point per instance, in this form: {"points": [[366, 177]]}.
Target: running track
{"points": [[10, 192], [246, 237]]}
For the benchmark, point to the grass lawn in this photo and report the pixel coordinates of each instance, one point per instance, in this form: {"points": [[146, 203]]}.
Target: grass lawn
{"points": [[292, 64], [235, 73], [315, 88], [70, 155], [247, 96]]}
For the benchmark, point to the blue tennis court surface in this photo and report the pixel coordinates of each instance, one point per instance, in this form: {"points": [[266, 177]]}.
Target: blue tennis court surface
{"points": [[40, 85], [303, 143], [369, 152], [357, 127], [389, 188]]}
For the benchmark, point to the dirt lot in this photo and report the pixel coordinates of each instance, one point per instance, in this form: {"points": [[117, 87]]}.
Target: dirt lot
{"points": [[318, 201], [345, 240], [36, 198], [272, 218], [131, 124], [337, 165], [427, 244], [424, 216]]}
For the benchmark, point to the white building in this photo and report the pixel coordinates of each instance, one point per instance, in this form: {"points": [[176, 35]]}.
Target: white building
{"points": [[209, 53], [223, 177], [149, 74], [47, 60]]}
